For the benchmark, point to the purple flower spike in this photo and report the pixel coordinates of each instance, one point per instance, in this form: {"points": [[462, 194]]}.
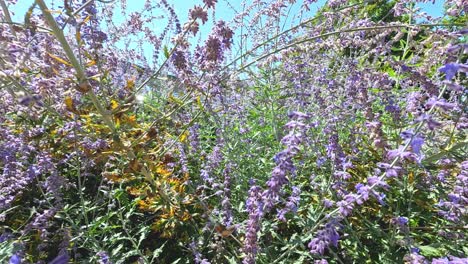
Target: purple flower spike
{"points": [[210, 3], [15, 259], [346, 206], [104, 257], [298, 115], [415, 257], [434, 102], [254, 206], [431, 123], [404, 155], [416, 140], [450, 70], [325, 238], [416, 144], [291, 205]]}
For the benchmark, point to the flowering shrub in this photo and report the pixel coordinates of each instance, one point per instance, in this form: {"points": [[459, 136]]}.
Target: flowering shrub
{"points": [[341, 139]]}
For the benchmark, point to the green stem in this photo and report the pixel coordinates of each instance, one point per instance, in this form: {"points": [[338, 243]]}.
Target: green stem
{"points": [[80, 73], [302, 24]]}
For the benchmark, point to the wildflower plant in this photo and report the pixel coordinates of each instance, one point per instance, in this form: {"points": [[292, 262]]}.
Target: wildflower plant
{"points": [[283, 136]]}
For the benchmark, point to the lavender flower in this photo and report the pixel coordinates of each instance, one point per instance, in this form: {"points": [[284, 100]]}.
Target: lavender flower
{"points": [[103, 257], [376, 134], [325, 238], [401, 223], [42, 222], [179, 59], [454, 208], [198, 13], [291, 205], [18, 172], [451, 69], [415, 258], [390, 171], [450, 260], [431, 123], [212, 163], [363, 193], [217, 43], [226, 201], [172, 13], [401, 154], [415, 140], [283, 160], [197, 255], [213, 49], [15, 259], [434, 102], [346, 205], [254, 207], [5, 236], [321, 261], [194, 137], [413, 102], [182, 158], [210, 3]]}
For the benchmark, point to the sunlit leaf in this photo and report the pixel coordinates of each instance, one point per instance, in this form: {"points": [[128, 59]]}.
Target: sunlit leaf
{"points": [[166, 52], [86, 20], [130, 84], [69, 103], [184, 136], [114, 104], [59, 59], [91, 63], [162, 170]]}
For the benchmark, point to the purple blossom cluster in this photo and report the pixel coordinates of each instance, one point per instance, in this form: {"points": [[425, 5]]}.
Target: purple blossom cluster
{"points": [[454, 207], [219, 41], [198, 258], [255, 208], [416, 258], [284, 159], [291, 205], [226, 200], [103, 257], [325, 238], [212, 163], [17, 172]]}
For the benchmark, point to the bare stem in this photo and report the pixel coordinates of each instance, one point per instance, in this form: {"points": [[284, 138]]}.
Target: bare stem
{"points": [[336, 33]]}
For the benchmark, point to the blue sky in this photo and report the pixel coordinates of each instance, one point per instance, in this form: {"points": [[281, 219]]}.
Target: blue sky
{"points": [[225, 9]]}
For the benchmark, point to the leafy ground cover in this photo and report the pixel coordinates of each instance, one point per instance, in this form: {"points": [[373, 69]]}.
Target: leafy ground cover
{"points": [[339, 139]]}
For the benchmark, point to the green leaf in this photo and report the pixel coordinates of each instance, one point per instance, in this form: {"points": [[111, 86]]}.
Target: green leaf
{"points": [[429, 251], [231, 260], [300, 260], [158, 251], [166, 52], [117, 249]]}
